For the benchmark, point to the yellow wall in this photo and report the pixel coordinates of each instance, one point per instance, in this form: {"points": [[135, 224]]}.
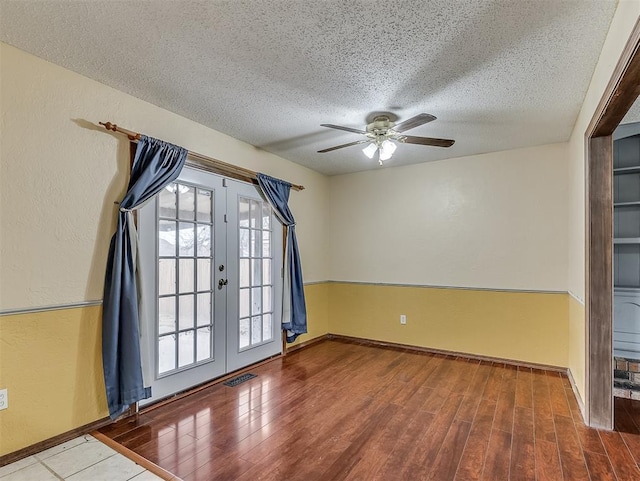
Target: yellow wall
{"points": [[530, 327], [51, 364], [626, 16], [317, 297], [577, 346]]}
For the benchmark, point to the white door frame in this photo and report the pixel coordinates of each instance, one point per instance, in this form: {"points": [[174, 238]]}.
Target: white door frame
{"points": [[227, 357]]}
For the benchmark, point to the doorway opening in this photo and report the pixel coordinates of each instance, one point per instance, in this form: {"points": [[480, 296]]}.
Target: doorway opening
{"points": [[621, 92]]}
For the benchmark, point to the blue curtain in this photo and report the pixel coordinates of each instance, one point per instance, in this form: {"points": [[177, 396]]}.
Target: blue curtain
{"points": [[156, 164], [294, 309]]}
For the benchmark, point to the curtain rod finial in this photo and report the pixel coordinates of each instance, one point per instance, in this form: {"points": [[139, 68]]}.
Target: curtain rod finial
{"points": [[114, 127], [109, 126]]}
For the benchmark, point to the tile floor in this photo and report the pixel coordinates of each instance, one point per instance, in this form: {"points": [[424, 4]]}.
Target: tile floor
{"points": [[81, 459]]}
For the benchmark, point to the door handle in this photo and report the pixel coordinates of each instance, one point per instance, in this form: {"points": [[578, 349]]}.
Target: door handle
{"points": [[222, 283]]}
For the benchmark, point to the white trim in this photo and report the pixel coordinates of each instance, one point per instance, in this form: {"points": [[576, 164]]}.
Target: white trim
{"points": [[495, 289], [58, 307], [575, 296], [75, 305]]}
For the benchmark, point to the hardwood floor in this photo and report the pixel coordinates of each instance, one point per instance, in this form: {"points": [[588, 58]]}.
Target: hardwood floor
{"points": [[343, 410]]}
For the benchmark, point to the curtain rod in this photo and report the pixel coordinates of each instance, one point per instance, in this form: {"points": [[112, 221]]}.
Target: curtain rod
{"points": [[218, 165]]}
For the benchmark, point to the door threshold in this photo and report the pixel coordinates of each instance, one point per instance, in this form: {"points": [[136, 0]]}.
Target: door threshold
{"points": [[200, 387]]}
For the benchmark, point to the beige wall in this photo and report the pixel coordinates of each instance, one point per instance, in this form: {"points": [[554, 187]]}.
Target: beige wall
{"points": [[494, 220], [626, 16], [60, 176]]}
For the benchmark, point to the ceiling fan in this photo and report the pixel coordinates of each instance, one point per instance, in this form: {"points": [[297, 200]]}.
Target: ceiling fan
{"points": [[382, 135]]}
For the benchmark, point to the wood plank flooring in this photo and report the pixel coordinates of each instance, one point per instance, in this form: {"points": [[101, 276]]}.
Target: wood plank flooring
{"points": [[341, 410]]}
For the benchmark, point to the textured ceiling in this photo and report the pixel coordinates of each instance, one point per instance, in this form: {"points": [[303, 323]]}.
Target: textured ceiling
{"points": [[633, 115], [497, 74]]}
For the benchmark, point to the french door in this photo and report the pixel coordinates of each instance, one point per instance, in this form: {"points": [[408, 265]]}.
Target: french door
{"points": [[210, 269]]}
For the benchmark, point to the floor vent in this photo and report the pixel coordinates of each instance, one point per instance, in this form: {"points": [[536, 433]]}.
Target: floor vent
{"points": [[234, 381]]}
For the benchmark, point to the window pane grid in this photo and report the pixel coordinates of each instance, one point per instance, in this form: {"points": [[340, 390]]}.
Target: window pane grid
{"points": [[185, 277], [256, 274]]}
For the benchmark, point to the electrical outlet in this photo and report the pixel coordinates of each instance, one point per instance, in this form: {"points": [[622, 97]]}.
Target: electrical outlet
{"points": [[403, 319], [4, 399]]}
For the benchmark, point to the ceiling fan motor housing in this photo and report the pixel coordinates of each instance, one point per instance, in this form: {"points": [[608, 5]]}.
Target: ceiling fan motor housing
{"points": [[380, 125]]}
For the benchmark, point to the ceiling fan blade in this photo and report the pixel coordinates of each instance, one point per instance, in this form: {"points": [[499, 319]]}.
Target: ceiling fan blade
{"points": [[347, 129], [413, 122], [412, 139], [343, 146]]}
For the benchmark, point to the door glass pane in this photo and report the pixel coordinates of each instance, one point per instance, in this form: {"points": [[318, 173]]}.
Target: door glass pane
{"points": [[166, 276], [266, 271], [243, 213], [185, 284], [256, 300], [166, 315], [167, 201], [166, 353], [244, 272], [204, 309], [203, 344], [204, 205], [266, 299], [256, 214], [267, 327], [204, 241], [256, 329], [243, 339], [204, 274], [186, 238], [244, 243], [245, 303], [167, 234], [256, 243], [185, 310], [186, 198], [185, 348], [256, 272], [266, 244], [266, 216]]}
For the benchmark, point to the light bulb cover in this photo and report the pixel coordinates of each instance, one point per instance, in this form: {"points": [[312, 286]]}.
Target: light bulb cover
{"points": [[387, 148], [370, 150]]}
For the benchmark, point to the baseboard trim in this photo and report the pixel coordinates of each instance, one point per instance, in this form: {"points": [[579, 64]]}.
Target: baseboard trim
{"points": [[308, 343], [54, 441], [576, 394], [443, 352], [136, 458]]}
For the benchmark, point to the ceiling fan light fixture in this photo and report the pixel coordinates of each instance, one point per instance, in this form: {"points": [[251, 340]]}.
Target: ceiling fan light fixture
{"points": [[387, 148], [383, 133], [370, 150]]}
